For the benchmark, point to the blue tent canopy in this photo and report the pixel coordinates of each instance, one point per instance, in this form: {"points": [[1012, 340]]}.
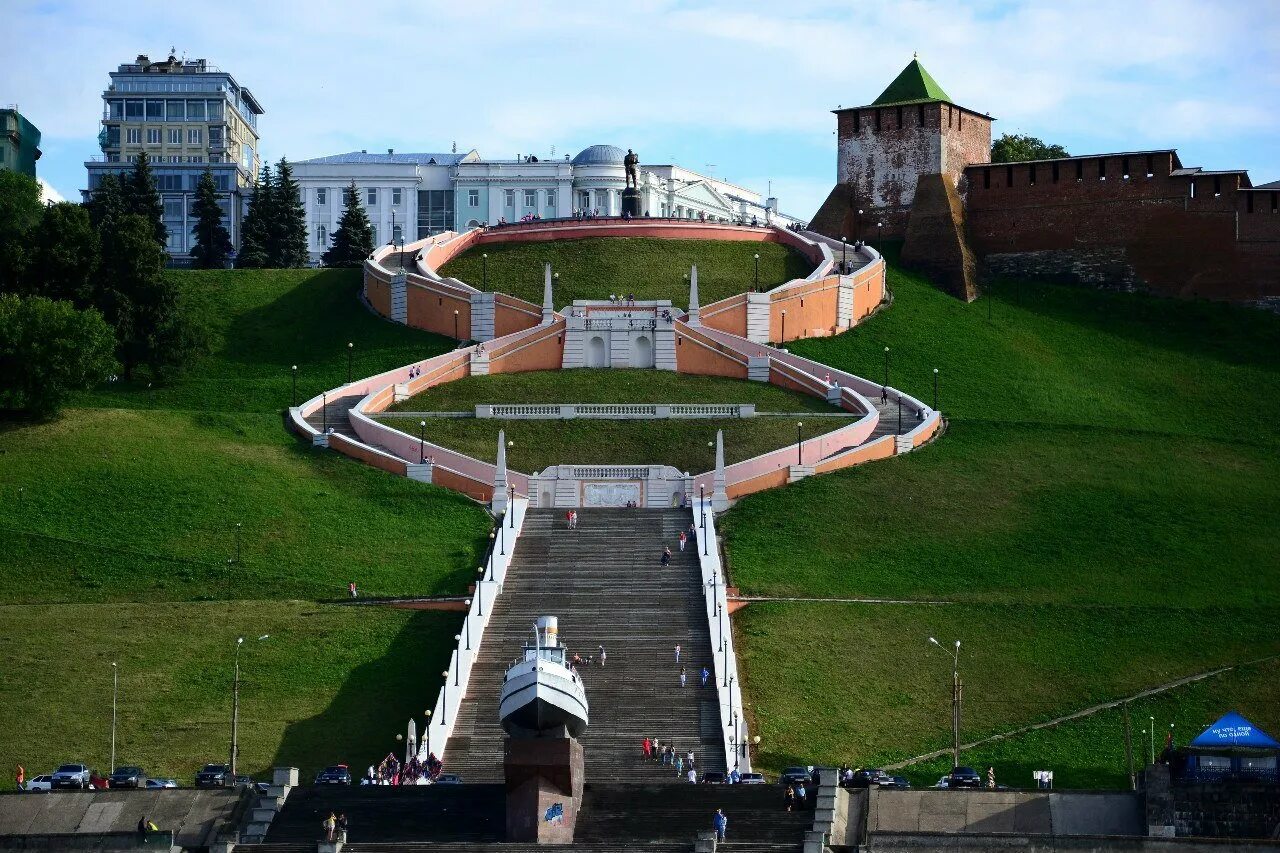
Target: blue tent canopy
{"points": [[1234, 730]]}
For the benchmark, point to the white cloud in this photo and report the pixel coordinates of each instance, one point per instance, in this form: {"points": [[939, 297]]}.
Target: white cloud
{"points": [[48, 194]]}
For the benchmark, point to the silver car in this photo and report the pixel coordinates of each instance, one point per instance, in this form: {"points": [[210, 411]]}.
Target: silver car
{"points": [[70, 776]]}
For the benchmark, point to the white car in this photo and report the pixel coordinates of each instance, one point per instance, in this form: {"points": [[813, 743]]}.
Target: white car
{"points": [[161, 783], [39, 783], [944, 782]]}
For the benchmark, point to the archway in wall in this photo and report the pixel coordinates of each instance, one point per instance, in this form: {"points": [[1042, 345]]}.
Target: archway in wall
{"points": [[596, 355], [473, 223], [642, 352]]}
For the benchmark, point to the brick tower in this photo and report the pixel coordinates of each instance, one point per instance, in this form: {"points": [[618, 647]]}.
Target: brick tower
{"points": [[912, 129]]}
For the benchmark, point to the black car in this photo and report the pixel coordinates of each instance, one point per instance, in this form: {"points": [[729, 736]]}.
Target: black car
{"points": [[867, 776], [713, 777], [964, 777], [888, 781], [338, 774], [128, 777], [213, 776], [794, 776]]}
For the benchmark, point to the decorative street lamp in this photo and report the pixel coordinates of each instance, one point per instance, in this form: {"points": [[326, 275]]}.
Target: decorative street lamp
{"points": [[428, 727], [350, 350], [880, 225], [784, 325], [886, 367], [295, 385], [935, 389], [115, 693], [444, 696], [455, 325], [491, 554], [484, 258], [235, 707], [702, 505], [844, 244], [422, 442], [799, 443], [956, 690], [324, 411], [857, 231], [757, 278], [457, 666]]}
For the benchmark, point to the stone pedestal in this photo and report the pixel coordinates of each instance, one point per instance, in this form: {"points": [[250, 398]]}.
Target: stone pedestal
{"points": [[544, 788], [631, 202]]}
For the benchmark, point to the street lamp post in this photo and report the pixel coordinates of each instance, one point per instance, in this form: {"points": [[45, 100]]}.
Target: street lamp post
{"points": [[444, 696], [294, 398], [455, 325], [324, 411], [235, 708], [935, 389], [784, 326], [886, 367], [1151, 732], [757, 276], [237, 543], [350, 351], [720, 616], [899, 414], [485, 261], [857, 229], [428, 732], [799, 443], [491, 554], [422, 442], [115, 693], [511, 499], [502, 540], [457, 665], [843, 245], [880, 239], [956, 693], [702, 506]]}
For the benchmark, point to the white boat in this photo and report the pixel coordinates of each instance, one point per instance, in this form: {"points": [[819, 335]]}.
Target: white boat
{"points": [[541, 693]]}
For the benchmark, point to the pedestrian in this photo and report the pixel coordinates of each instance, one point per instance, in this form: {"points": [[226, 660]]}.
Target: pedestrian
{"points": [[679, 766], [602, 656], [330, 826], [575, 519], [351, 588], [705, 675], [568, 519], [677, 653], [789, 798], [647, 749], [689, 759], [142, 828], [801, 796], [683, 677], [342, 827], [682, 540], [655, 750], [991, 777], [721, 824], [734, 776], [693, 776], [884, 394], [666, 556], [21, 776], [693, 533], [669, 755]]}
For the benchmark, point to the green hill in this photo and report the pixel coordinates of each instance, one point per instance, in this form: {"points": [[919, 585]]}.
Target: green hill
{"points": [[120, 517], [1100, 510], [648, 268]]}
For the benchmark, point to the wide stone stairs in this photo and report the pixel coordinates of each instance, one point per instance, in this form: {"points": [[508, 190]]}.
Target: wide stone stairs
{"points": [[605, 584]]}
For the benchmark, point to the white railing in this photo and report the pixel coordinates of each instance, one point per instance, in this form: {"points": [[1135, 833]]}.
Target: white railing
{"points": [[613, 472], [616, 411], [733, 722], [445, 710]]}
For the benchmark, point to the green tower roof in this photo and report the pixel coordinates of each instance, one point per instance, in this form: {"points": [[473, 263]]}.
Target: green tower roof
{"points": [[912, 86]]}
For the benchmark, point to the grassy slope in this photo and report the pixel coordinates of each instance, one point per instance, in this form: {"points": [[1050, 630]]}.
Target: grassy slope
{"points": [[1101, 498], [649, 268], [132, 497]]}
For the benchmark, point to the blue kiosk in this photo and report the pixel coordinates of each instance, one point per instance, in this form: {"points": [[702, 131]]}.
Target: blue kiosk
{"points": [[1231, 749]]}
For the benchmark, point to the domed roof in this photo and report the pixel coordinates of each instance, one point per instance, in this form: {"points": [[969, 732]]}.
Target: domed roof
{"points": [[600, 155]]}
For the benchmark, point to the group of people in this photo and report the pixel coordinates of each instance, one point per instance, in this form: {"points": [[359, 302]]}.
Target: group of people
{"points": [[571, 519], [335, 827], [415, 371], [390, 771], [667, 756]]}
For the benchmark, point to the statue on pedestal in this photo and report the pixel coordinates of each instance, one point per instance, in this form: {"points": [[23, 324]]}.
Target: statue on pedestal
{"points": [[631, 163]]}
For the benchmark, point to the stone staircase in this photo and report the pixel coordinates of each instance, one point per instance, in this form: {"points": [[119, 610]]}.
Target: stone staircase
{"points": [[464, 814], [334, 413], [605, 584]]}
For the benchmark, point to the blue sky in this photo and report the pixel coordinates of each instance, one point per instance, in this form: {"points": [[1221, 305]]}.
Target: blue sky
{"points": [[742, 85]]}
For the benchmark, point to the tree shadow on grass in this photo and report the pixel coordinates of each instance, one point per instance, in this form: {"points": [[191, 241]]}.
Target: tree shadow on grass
{"points": [[376, 701]]}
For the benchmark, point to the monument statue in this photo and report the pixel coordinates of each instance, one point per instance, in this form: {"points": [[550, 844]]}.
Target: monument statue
{"points": [[630, 163]]}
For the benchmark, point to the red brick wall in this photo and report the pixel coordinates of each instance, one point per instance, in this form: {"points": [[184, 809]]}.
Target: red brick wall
{"points": [[811, 310], [432, 309], [695, 353]]}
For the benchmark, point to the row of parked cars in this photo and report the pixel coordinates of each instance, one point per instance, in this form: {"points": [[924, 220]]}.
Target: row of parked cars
{"points": [[80, 777]]}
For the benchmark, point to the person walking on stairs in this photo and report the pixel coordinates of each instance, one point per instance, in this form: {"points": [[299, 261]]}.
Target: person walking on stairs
{"points": [[602, 655], [682, 540], [683, 677], [692, 775], [330, 826], [647, 749], [666, 556], [721, 823], [706, 673], [677, 653], [790, 797], [679, 766]]}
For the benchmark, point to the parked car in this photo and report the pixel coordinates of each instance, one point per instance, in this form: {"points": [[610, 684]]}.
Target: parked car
{"points": [[245, 781], [39, 783], [161, 783], [337, 774], [70, 776], [865, 777], [128, 776], [212, 776], [944, 782], [713, 777], [794, 776], [752, 779], [899, 782], [448, 779], [964, 777]]}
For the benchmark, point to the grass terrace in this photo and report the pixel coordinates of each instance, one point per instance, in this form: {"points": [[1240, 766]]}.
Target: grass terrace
{"points": [[1100, 510], [648, 267], [152, 526]]}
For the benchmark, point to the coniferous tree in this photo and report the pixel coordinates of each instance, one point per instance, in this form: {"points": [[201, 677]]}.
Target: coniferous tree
{"points": [[142, 197], [20, 210], [254, 235], [353, 239], [288, 224], [107, 200], [212, 245], [63, 255]]}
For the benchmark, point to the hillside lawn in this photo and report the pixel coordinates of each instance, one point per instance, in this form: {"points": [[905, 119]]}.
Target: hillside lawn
{"points": [[119, 519], [1100, 508], [647, 267]]}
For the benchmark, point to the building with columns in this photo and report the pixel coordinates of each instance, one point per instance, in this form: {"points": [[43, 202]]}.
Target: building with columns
{"points": [[415, 195]]}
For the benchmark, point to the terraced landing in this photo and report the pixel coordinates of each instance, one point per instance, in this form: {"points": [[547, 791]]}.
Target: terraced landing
{"points": [[604, 583]]}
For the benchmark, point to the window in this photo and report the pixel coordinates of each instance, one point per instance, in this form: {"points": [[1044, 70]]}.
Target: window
{"points": [[173, 241], [195, 136], [530, 198], [371, 196], [133, 135], [396, 233], [551, 197], [175, 110], [473, 198], [1273, 201], [435, 211], [1102, 168], [133, 110], [1193, 187], [173, 208], [321, 234], [948, 109], [215, 136], [169, 183], [986, 179], [1124, 168], [1248, 202], [1008, 176], [1079, 170], [215, 110], [920, 115], [195, 111], [115, 110], [1031, 175], [1217, 186], [175, 136], [153, 136], [155, 110], [395, 197], [584, 199], [1151, 165], [602, 200], [509, 198], [197, 158], [322, 197], [113, 136], [1055, 173]]}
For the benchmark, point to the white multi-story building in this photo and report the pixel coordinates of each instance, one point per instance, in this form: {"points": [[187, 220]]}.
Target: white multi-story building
{"points": [[410, 196]]}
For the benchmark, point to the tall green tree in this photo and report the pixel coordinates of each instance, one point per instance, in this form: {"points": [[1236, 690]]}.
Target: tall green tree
{"points": [[254, 236], [1016, 148], [49, 349], [131, 290], [20, 210], [353, 239], [142, 197], [107, 200], [64, 255], [288, 224], [212, 247]]}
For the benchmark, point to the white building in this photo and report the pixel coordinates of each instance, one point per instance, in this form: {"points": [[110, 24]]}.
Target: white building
{"points": [[409, 196]]}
